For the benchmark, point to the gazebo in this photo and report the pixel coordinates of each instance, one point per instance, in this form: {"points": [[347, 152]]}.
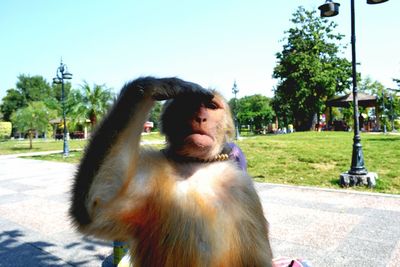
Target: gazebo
{"points": [[364, 100], [58, 121]]}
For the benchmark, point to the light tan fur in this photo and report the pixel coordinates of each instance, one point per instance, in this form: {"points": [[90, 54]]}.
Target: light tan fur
{"points": [[177, 213]]}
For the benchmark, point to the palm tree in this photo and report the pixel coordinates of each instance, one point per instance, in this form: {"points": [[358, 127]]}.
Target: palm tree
{"points": [[90, 102]]}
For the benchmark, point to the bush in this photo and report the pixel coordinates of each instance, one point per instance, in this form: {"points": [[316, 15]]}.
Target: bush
{"points": [[5, 129], [397, 124]]}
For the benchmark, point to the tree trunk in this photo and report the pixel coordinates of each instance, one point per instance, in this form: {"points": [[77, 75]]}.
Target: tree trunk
{"points": [[315, 122], [305, 122], [30, 135], [93, 120], [378, 119]]}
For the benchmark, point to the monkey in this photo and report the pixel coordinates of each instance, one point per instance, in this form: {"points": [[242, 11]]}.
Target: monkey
{"points": [[188, 204]]}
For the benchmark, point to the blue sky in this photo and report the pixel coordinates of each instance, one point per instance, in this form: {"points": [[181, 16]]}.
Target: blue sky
{"points": [[212, 43]]}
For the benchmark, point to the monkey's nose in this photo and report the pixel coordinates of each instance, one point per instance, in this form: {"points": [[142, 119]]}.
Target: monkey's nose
{"points": [[200, 119], [202, 115]]}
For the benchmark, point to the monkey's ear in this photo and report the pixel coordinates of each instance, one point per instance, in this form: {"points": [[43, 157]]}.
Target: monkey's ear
{"points": [[176, 88]]}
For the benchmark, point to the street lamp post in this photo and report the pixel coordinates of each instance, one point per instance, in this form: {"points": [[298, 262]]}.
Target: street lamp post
{"points": [[235, 90], [357, 174], [62, 74], [383, 113], [391, 113]]}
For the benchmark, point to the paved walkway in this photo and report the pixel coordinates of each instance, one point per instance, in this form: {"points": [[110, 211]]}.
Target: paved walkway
{"points": [[327, 227]]}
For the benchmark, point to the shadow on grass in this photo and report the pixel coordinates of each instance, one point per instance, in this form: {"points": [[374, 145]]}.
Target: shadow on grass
{"points": [[15, 252], [25, 149], [383, 140], [335, 181]]}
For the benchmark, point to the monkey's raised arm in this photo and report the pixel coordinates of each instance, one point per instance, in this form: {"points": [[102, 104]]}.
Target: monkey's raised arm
{"points": [[114, 146]]}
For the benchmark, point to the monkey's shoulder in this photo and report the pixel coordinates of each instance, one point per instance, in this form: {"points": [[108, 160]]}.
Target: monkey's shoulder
{"points": [[150, 158]]}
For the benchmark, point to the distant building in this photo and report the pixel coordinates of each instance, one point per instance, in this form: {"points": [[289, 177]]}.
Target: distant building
{"points": [[148, 125]]}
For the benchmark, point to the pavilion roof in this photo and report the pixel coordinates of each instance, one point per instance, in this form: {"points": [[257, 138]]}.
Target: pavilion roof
{"points": [[364, 100]]}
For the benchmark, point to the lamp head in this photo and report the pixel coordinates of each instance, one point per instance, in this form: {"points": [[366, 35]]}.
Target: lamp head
{"points": [[373, 2], [56, 80], [67, 75], [329, 9]]}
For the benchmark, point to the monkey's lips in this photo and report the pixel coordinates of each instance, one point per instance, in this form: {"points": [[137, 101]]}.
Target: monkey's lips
{"points": [[200, 140]]}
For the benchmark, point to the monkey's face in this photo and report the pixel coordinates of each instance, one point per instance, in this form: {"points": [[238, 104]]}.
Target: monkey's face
{"points": [[196, 128]]}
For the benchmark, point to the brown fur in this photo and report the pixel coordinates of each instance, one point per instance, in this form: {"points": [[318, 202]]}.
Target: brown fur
{"points": [[173, 213]]}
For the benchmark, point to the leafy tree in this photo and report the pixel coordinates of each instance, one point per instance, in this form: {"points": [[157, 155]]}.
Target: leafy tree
{"points": [[28, 89], [376, 88], [282, 110], [11, 102], [33, 118], [254, 110], [398, 83], [396, 103], [309, 70], [155, 114], [388, 104], [89, 102], [33, 88], [5, 129], [57, 90], [54, 101]]}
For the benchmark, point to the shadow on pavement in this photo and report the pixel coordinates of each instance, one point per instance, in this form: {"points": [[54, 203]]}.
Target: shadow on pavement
{"points": [[15, 253]]}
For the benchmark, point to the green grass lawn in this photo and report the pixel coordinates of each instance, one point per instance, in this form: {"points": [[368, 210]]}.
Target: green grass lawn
{"points": [[156, 136], [306, 158], [22, 146], [318, 158], [74, 157]]}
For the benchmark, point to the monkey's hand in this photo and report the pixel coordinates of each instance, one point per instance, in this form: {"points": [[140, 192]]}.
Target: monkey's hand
{"points": [[174, 87], [167, 88]]}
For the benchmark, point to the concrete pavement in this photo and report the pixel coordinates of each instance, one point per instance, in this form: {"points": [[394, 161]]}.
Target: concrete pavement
{"points": [[34, 226], [333, 227], [327, 227]]}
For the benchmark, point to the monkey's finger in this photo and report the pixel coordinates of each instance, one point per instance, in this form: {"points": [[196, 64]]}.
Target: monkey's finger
{"points": [[174, 87]]}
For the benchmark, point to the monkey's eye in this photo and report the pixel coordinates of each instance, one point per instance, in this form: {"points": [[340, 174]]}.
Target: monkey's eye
{"points": [[212, 105]]}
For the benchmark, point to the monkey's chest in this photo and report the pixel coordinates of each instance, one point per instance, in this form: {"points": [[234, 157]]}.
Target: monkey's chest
{"points": [[192, 217], [192, 187], [204, 194], [202, 184]]}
